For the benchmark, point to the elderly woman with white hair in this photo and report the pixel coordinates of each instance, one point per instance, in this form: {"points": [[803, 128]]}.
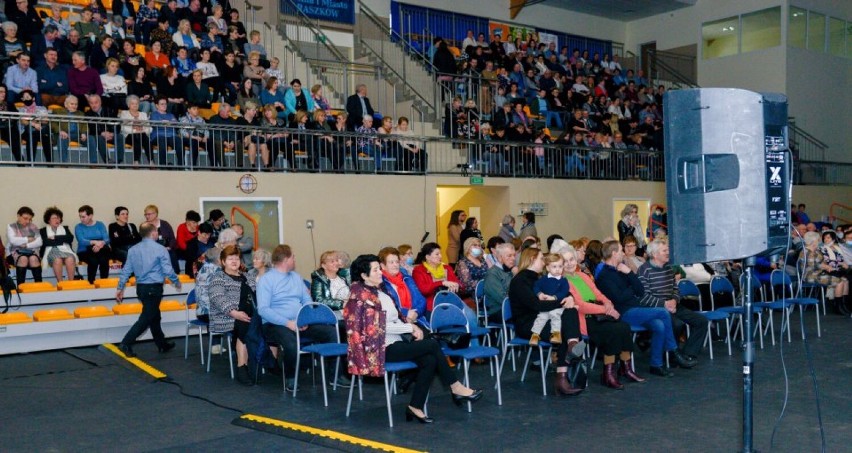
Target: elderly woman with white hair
{"points": [[261, 261], [368, 143], [817, 270], [135, 129], [600, 321], [228, 236]]}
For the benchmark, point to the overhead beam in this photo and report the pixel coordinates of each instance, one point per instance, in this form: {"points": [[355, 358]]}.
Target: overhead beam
{"points": [[515, 7]]}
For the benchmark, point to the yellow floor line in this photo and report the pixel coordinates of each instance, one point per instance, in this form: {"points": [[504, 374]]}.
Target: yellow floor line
{"points": [[157, 374], [329, 434]]}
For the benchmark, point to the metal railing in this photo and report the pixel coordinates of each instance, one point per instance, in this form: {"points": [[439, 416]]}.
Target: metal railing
{"points": [[805, 146], [677, 70], [299, 28], [72, 141], [398, 57]]}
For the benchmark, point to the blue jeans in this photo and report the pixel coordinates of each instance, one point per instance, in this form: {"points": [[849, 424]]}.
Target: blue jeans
{"points": [[375, 152], [659, 322], [555, 116], [97, 145]]}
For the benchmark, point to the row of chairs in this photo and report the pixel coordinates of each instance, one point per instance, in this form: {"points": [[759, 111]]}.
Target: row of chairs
{"points": [[95, 311], [70, 285]]}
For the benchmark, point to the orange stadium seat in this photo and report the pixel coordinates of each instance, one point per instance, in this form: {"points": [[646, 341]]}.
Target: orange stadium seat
{"points": [[127, 309], [74, 284], [33, 287], [14, 318], [106, 282], [171, 305], [54, 314], [92, 312]]}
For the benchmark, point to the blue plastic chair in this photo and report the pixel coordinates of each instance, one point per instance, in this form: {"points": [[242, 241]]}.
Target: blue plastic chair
{"points": [[769, 306], [721, 285], [687, 288], [193, 322], [449, 318], [313, 314], [391, 370], [780, 278], [511, 341], [446, 297]]}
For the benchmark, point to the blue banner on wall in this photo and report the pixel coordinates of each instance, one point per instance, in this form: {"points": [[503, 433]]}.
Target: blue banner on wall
{"points": [[342, 11]]}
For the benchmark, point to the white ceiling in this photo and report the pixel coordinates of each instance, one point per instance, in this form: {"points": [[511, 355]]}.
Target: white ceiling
{"points": [[623, 10]]}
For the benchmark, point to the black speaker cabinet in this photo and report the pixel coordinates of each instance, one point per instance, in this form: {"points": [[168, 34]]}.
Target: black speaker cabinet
{"points": [[727, 167]]}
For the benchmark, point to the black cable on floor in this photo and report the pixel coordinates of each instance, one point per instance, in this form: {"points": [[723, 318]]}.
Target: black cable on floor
{"points": [[812, 372], [169, 380], [81, 359], [786, 381]]}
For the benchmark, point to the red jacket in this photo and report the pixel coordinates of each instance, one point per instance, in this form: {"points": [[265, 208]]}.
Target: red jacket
{"points": [[428, 286], [184, 236]]}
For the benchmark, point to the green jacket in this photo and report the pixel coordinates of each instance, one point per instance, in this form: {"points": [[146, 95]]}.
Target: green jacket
{"points": [[321, 290]]}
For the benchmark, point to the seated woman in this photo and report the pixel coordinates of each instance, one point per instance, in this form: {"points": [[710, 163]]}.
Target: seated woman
{"points": [[406, 258], [431, 275], [326, 145], [253, 142], [274, 97], [136, 134], [412, 152], [261, 261], [232, 304], [378, 335], [186, 232], [599, 320], [399, 285], [202, 283], [56, 250], [24, 243], [122, 234], [632, 260], [197, 91], [115, 86], [471, 268], [817, 269], [327, 287], [526, 306]]}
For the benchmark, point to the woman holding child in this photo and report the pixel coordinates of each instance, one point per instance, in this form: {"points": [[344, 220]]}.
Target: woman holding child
{"points": [[526, 305]]}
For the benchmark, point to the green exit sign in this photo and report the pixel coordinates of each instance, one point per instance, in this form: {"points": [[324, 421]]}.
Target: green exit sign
{"points": [[477, 180]]}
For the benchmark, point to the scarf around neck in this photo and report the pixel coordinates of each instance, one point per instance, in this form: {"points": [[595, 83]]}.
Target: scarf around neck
{"points": [[438, 272], [398, 283]]}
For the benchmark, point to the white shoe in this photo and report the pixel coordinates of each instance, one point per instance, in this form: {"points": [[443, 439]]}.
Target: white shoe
{"points": [[216, 349]]}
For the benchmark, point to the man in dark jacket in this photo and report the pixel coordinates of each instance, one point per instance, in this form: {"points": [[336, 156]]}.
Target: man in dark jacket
{"points": [[357, 106]]}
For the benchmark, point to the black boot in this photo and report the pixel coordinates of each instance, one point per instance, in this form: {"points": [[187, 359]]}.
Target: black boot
{"points": [[843, 305], [243, 376], [682, 360]]}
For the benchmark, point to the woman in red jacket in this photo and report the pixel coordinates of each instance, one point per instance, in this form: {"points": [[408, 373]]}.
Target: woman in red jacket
{"points": [[431, 275]]}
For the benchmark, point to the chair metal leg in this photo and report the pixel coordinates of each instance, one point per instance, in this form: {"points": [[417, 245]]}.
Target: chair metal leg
{"points": [[499, 389], [201, 344], [209, 349], [186, 343], [230, 354], [324, 391], [543, 370], [728, 334], [526, 364], [467, 383], [388, 400], [296, 381], [352, 390]]}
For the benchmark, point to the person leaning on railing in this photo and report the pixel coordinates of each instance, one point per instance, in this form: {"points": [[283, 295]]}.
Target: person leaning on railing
{"points": [[166, 136], [67, 131], [253, 141]]}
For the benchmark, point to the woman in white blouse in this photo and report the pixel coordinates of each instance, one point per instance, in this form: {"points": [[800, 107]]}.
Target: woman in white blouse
{"points": [[136, 134], [115, 87]]}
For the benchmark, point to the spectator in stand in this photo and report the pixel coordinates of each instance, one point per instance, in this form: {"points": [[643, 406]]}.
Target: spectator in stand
{"points": [[147, 19], [295, 99], [357, 107], [116, 28], [254, 45], [802, 215], [99, 133], [156, 60], [195, 16], [9, 131], [197, 246], [115, 86], [541, 106], [319, 100], [129, 60], [234, 21], [171, 87], [83, 80], [56, 20], [368, 143], [184, 64], [444, 61], [198, 92], [56, 242], [224, 138], [27, 18], [255, 72], [162, 35], [166, 137], [93, 246], [184, 37], [213, 40], [413, 151], [140, 86], [34, 127], [230, 74], [24, 245], [12, 46], [122, 234], [87, 29], [170, 15], [186, 231], [65, 132], [49, 39], [102, 53], [196, 137], [528, 228], [135, 133], [216, 19], [20, 77]]}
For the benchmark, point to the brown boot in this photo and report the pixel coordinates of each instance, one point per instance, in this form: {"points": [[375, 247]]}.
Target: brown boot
{"points": [[534, 339], [563, 387], [556, 337], [609, 379], [625, 369]]}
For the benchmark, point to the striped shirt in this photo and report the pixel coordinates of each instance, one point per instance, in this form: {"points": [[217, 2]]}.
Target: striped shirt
{"points": [[659, 284]]}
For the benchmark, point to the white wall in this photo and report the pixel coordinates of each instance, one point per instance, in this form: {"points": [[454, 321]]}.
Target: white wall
{"points": [[761, 70]]}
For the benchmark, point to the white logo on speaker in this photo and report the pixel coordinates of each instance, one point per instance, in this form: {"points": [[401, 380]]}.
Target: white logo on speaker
{"points": [[776, 175]]}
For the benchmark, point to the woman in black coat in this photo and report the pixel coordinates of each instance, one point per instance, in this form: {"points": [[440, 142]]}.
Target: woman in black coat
{"points": [[526, 305]]}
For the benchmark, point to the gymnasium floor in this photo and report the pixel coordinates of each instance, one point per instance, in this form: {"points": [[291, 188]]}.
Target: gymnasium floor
{"points": [[88, 399]]}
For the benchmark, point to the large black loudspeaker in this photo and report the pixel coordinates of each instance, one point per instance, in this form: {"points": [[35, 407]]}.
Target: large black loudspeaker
{"points": [[727, 167]]}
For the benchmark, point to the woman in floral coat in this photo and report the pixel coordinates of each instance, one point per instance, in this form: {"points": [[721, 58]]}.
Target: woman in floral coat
{"points": [[377, 333]]}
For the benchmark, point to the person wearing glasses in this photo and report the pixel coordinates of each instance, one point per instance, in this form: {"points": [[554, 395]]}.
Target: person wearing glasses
{"points": [[165, 233]]}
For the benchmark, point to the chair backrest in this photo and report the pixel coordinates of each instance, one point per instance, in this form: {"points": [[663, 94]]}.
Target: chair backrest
{"points": [[307, 285], [720, 284], [756, 286], [447, 316], [316, 313], [446, 297], [687, 288], [479, 298], [779, 277], [507, 310]]}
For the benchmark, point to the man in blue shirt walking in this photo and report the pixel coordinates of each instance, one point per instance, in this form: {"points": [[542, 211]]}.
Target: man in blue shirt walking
{"points": [[151, 264]]}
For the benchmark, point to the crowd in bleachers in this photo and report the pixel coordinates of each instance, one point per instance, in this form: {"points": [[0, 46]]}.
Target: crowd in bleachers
{"points": [[534, 92], [192, 63]]}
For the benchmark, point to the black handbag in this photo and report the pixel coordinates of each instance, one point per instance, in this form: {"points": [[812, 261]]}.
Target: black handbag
{"points": [[453, 340]]}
